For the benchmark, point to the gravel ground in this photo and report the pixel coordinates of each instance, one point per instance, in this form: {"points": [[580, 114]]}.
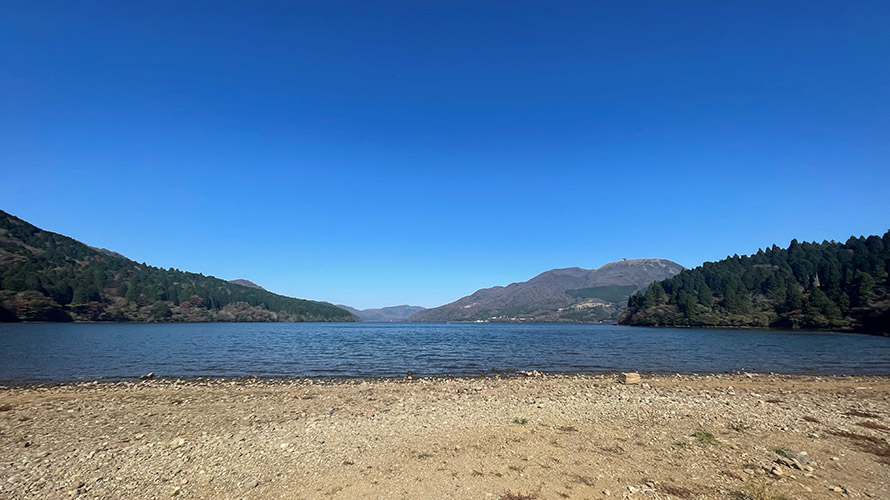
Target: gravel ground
{"points": [[548, 437]]}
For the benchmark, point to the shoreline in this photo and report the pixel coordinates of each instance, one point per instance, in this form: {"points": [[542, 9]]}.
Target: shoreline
{"points": [[347, 380], [713, 436], [456, 322]]}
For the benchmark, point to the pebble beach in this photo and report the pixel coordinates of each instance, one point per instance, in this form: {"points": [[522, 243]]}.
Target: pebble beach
{"points": [[532, 436]]}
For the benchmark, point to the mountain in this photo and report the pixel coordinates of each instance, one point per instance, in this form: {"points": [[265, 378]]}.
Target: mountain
{"points": [[571, 294], [391, 313], [45, 276], [246, 283], [828, 285], [108, 252]]}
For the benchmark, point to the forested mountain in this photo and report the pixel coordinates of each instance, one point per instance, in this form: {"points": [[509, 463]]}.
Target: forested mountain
{"points": [[828, 285], [45, 276], [390, 313], [570, 294]]}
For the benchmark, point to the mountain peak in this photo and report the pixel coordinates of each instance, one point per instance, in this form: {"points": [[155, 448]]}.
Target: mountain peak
{"points": [[247, 283], [566, 294]]}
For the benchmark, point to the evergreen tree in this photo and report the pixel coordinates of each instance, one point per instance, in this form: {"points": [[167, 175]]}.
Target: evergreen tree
{"points": [[808, 285]]}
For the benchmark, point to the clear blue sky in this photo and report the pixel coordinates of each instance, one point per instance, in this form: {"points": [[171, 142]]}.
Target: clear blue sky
{"points": [[374, 153]]}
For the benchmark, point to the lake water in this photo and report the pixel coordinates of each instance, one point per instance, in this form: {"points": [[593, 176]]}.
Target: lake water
{"points": [[66, 352]]}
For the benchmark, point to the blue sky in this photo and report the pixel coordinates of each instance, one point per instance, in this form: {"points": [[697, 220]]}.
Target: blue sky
{"points": [[374, 153]]}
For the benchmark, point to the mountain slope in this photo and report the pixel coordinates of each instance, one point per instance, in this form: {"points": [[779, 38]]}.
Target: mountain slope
{"points": [[45, 276], [391, 313], [247, 283], [570, 294], [826, 285]]}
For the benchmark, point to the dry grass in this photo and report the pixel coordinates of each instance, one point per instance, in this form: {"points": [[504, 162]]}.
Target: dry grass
{"points": [[869, 444], [873, 425], [676, 491], [518, 496], [585, 480], [861, 414], [739, 426], [733, 475], [759, 491]]}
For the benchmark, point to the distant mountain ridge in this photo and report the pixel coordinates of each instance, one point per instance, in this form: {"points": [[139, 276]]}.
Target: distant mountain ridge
{"points": [[569, 294], [384, 314], [46, 276]]}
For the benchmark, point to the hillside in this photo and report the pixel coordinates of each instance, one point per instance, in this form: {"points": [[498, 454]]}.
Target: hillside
{"points": [[384, 314], [828, 285], [247, 283], [45, 276], [571, 294]]}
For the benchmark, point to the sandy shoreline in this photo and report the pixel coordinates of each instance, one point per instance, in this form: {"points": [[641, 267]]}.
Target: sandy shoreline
{"points": [[554, 436]]}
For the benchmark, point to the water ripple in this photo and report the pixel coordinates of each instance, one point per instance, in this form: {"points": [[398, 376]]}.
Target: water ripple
{"points": [[61, 352]]}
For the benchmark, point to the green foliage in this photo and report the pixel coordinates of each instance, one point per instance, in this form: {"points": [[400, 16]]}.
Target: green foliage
{"points": [[49, 277], [705, 437], [160, 311], [654, 295], [826, 285]]}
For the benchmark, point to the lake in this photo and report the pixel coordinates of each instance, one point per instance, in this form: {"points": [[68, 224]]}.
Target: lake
{"points": [[68, 352]]}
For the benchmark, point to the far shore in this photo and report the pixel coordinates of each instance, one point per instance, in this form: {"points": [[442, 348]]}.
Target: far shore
{"points": [[711, 327]]}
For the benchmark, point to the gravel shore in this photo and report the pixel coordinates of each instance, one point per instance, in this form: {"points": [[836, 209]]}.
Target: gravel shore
{"points": [[739, 437]]}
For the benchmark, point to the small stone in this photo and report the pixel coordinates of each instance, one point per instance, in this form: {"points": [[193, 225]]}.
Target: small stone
{"points": [[148, 376], [178, 442], [630, 378], [607, 493], [777, 471], [837, 489]]}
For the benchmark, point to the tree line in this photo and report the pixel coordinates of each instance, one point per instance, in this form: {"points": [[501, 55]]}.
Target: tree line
{"points": [[828, 285], [49, 277]]}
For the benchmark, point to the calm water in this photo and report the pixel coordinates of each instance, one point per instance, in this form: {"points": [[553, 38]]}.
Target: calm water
{"points": [[62, 352]]}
